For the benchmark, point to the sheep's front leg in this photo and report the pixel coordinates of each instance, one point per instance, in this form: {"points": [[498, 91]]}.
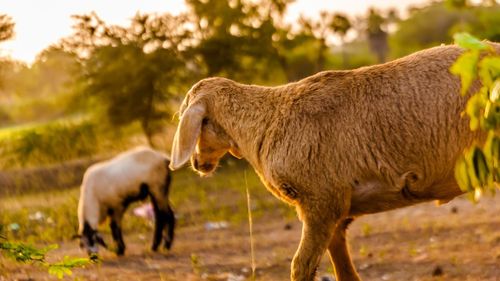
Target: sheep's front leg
{"points": [[316, 234], [339, 254]]}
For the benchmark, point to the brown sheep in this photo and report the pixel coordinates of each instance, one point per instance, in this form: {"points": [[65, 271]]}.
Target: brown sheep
{"points": [[338, 144]]}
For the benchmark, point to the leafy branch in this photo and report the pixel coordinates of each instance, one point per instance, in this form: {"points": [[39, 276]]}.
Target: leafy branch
{"points": [[478, 170], [24, 253]]}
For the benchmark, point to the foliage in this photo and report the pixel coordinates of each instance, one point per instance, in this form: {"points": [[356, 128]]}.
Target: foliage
{"points": [[435, 23], [132, 71], [479, 169], [50, 143], [23, 253], [6, 27]]}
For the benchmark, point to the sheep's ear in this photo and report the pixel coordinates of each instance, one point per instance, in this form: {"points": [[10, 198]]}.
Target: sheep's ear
{"points": [[187, 134]]}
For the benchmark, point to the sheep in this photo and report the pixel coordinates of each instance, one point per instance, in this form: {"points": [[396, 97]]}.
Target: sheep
{"points": [[109, 187], [337, 144]]}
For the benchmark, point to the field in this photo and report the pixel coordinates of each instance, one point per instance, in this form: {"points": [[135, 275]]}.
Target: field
{"points": [[456, 241]]}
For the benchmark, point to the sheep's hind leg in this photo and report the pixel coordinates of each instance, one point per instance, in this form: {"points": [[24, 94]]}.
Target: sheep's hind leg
{"points": [[339, 254]]}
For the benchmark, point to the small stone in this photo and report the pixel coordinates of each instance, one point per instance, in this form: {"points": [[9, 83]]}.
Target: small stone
{"points": [[438, 271], [288, 226], [454, 210]]}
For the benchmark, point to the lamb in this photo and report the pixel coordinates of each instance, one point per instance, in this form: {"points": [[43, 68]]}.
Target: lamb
{"points": [[109, 187], [336, 145]]}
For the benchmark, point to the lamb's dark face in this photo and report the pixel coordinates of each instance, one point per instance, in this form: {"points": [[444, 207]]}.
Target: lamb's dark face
{"points": [[89, 240]]}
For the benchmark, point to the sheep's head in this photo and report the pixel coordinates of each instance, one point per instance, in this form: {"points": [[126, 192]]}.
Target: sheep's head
{"points": [[89, 240], [199, 136]]}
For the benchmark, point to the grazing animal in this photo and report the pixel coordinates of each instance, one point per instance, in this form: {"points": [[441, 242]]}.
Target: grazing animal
{"points": [[109, 187], [338, 144]]}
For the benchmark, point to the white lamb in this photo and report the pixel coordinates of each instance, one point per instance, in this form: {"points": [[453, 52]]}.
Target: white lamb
{"points": [[109, 187]]}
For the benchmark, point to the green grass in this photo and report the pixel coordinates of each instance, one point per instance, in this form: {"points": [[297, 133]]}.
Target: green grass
{"points": [[196, 200]]}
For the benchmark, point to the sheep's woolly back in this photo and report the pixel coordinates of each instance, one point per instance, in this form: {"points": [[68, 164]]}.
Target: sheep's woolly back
{"points": [[381, 125], [106, 184]]}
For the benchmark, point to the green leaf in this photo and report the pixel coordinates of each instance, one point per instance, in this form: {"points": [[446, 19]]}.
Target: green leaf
{"points": [[494, 95], [469, 42], [474, 109], [489, 70], [462, 176], [466, 68], [480, 165], [492, 153]]}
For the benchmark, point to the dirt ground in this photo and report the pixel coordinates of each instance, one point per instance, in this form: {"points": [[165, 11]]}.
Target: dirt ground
{"points": [[456, 241]]}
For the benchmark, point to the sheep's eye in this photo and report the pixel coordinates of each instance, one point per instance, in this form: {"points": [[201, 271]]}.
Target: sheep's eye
{"points": [[204, 121]]}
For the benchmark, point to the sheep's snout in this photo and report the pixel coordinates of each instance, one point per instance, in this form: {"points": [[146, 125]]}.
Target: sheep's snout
{"points": [[203, 166]]}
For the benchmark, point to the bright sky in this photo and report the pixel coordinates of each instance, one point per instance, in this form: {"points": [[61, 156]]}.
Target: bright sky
{"points": [[41, 23]]}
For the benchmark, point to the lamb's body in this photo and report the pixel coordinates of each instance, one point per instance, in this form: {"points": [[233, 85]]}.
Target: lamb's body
{"points": [[338, 144], [109, 187]]}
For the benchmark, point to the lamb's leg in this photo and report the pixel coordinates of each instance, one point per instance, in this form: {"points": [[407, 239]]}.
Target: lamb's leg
{"points": [[170, 224], [116, 232], [316, 234], [160, 223], [339, 254]]}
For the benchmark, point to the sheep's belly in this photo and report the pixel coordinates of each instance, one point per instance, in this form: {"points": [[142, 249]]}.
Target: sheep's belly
{"points": [[376, 196]]}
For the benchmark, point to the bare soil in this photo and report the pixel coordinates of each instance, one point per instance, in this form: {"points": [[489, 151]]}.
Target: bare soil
{"points": [[456, 241]]}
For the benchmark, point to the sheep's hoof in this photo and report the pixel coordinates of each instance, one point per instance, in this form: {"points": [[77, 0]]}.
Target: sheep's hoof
{"points": [[168, 245], [120, 251]]}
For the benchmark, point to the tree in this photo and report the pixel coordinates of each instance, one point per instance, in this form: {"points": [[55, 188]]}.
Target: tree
{"points": [[132, 71], [341, 25], [377, 36], [6, 27], [240, 39], [436, 23], [6, 33]]}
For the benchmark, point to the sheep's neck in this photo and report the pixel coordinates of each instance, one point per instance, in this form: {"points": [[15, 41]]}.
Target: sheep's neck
{"points": [[251, 113]]}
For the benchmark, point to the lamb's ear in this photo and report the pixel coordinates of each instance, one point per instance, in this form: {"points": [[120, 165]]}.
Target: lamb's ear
{"points": [[187, 134]]}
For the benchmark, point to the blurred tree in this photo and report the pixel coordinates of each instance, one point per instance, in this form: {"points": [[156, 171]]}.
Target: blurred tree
{"points": [[435, 24], [6, 27], [458, 4], [38, 92], [6, 33], [377, 36], [341, 25], [240, 39], [321, 30], [132, 71]]}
